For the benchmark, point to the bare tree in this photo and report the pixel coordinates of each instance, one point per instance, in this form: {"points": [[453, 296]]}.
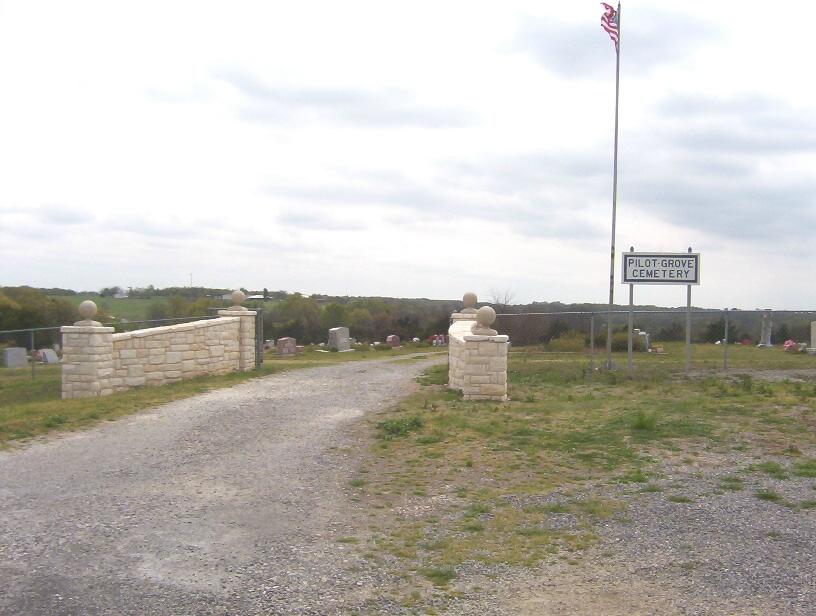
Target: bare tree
{"points": [[501, 299]]}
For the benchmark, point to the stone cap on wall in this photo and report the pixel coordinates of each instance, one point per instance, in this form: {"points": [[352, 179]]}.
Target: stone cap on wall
{"points": [[463, 316], [477, 338], [86, 329], [178, 327], [237, 313]]}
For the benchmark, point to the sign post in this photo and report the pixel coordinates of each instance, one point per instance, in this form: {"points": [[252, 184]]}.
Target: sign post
{"points": [[661, 268]]}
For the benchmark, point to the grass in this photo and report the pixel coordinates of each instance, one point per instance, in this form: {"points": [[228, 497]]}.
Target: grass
{"points": [[30, 408], [518, 482]]}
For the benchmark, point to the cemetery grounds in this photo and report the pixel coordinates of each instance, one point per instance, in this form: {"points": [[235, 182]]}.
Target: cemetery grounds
{"points": [[599, 492], [587, 492]]}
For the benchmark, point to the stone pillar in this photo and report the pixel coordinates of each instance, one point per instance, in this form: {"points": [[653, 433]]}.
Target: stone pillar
{"points": [[813, 336], [87, 356], [246, 331], [477, 355]]}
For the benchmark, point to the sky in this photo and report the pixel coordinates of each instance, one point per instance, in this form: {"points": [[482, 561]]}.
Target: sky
{"points": [[418, 149]]}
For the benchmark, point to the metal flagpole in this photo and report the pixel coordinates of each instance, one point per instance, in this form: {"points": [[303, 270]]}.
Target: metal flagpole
{"points": [[609, 365]]}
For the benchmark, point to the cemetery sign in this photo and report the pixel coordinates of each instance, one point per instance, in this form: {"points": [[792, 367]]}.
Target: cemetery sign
{"points": [[661, 268]]}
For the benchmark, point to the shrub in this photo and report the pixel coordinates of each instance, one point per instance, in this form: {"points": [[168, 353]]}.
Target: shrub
{"points": [[568, 342]]}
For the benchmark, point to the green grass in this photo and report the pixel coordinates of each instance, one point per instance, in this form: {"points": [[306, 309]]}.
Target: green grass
{"points": [[768, 495], [440, 576]]}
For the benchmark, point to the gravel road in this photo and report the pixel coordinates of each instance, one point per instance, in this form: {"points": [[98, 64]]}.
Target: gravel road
{"points": [[228, 502]]}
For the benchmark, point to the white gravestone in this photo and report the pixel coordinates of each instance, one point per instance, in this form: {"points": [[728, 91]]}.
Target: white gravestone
{"points": [[14, 357], [339, 338], [49, 356]]}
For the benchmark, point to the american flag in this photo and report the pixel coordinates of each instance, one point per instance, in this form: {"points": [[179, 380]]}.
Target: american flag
{"points": [[609, 22]]}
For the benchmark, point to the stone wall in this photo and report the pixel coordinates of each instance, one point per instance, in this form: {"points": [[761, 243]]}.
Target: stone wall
{"points": [[175, 352], [97, 362], [461, 326]]}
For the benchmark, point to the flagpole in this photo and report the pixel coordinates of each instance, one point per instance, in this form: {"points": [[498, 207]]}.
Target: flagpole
{"points": [[609, 365]]}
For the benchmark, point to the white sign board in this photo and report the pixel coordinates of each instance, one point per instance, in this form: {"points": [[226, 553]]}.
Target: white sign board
{"points": [[661, 268]]}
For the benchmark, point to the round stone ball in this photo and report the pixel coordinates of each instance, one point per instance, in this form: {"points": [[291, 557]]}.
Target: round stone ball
{"points": [[469, 300], [238, 297], [485, 316], [88, 310]]}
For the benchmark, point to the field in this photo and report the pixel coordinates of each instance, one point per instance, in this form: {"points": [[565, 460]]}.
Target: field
{"points": [[31, 408], [129, 309], [452, 487]]}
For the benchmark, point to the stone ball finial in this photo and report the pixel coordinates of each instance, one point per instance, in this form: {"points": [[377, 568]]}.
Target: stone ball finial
{"points": [[88, 310], [485, 317], [469, 303], [238, 298]]}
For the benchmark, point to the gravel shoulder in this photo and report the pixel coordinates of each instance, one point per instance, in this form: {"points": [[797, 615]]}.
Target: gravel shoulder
{"points": [[723, 552], [228, 502]]}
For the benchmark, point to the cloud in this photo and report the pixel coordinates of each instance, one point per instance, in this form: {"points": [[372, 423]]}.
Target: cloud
{"points": [[747, 125], [57, 214], [382, 108], [315, 221], [720, 168], [533, 199], [649, 39]]}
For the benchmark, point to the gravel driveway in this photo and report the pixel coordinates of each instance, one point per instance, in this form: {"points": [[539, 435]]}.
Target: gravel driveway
{"points": [[229, 502]]}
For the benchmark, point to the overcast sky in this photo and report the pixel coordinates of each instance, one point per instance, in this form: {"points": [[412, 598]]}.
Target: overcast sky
{"points": [[417, 149]]}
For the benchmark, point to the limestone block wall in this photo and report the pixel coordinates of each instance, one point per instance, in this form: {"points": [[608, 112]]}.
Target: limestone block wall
{"points": [[97, 362], [460, 326], [477, 364], [167, 354]]}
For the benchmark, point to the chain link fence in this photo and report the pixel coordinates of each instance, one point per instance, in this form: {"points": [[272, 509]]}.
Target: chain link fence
{"points": [[661, 331]]}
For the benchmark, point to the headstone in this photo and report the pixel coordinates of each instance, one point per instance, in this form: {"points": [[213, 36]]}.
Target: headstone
{"points": [[14, 357], [645, 344], [339, 338], [48, 356], [285, 346], [767, 326], [415, 340], [393, 341]]}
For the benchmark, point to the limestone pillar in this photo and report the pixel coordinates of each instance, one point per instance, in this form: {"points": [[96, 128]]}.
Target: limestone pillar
{"points": [[477, 355], [246, 331], [87, 356]]}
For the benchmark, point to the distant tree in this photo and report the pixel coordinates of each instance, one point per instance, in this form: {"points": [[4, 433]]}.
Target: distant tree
{"points": [[110, 291], [716, 331], [782, 334], [333, 315], [671, 333], [265, 294], [501, 300], [361, 323], [157, 309]]}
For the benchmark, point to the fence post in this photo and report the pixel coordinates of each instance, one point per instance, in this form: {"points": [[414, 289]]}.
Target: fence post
{"points": [[688, 324], [725, 342], [31, 344], [591, 345]]}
